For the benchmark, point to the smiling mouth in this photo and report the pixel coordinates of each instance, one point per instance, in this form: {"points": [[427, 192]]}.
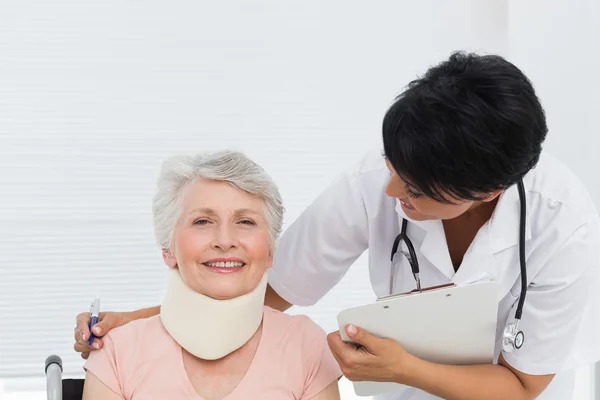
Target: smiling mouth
{"points": [[224, 264], [406, 205]]}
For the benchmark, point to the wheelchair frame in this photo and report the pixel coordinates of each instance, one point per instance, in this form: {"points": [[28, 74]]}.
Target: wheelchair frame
{"points": [[58, 388]]}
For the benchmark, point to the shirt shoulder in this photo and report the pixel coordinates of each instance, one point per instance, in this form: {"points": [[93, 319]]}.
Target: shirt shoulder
{"points": [[371, 161], [370, 177], [300, 347], [139, 332], [295, 326], [555, 185], [565, 227], [139, 342], [126, 349], [561, 216], [296, 336]]}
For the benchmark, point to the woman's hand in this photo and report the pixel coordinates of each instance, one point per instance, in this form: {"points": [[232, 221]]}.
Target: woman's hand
{"points": [[106, 322], [376, 359]]}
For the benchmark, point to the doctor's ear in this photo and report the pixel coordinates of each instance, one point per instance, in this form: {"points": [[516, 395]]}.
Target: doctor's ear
{"points": [[169, 258], [492, 196]]}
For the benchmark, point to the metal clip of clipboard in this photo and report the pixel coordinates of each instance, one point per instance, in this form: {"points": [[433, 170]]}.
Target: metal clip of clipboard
{"points": [[415, 291]]}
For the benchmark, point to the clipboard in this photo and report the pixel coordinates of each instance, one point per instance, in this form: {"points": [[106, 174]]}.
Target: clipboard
{"points": [[444, 324]]}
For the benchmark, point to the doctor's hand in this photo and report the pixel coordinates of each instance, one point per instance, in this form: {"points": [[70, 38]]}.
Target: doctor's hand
{"points": [[106, 322], [375, 359]]}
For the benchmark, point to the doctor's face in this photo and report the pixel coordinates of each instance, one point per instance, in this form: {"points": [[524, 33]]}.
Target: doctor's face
{"points": [[221, 243], [418, 207]]}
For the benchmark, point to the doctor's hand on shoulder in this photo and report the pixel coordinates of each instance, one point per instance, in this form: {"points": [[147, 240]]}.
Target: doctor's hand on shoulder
{"points": [[106, 322], [112, 319], [370, 358]]}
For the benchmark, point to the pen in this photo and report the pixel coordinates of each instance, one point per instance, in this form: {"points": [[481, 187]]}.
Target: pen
{"points": [[94, 311]]}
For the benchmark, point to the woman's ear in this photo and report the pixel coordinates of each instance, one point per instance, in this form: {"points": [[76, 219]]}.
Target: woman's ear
{"points": [[169, 258], [270, 259]]}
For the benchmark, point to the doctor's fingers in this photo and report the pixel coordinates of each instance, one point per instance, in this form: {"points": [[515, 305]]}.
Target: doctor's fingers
{"points": [[85, 349], [369, 342], [81, 345], [344, 353], [83, 326]]}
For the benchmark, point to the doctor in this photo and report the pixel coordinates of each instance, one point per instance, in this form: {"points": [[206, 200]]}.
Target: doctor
{"points": [[457, 143]]}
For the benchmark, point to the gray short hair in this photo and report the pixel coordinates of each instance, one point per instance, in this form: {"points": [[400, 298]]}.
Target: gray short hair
{"points": [[226, 166]]}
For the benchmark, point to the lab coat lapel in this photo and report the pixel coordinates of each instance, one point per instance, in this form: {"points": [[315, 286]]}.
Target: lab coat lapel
{"points": [[479, 260], [485, 258], [430, 235], [504, 236], [504, 223], [435, 249]]}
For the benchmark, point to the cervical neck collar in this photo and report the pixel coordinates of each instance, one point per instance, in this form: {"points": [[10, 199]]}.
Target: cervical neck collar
{"points": [[208, 328]]}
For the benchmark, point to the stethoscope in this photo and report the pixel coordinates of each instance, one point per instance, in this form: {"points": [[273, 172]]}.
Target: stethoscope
{"points": [[512, 337]]}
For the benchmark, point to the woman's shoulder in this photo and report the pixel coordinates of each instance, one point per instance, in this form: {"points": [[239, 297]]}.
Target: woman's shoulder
{"points": [[137, 329], [139, 335], [136, 343], [133, 355], [299, 353], [295, 329]]}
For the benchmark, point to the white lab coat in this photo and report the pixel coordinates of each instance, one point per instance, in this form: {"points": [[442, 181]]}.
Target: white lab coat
{"points": [[560, 318]]}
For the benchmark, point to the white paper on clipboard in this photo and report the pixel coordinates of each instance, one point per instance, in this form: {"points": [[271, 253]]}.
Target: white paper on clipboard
{"points": [[447, 325]]}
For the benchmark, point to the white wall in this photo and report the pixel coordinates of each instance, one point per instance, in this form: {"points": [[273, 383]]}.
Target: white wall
{"points": [[557, 44], [93, 96]]}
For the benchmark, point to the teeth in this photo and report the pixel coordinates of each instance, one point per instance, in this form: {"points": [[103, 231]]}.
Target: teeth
{"points": [[225, 264]]}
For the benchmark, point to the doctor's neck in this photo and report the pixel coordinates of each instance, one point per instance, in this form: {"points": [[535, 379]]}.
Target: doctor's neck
{"points": [[480, 210], [473, 211]]}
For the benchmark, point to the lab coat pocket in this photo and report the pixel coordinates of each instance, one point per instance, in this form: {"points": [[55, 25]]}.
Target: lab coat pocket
{"points": [[515, 290], [506, 312], [509, 303], [507, 306]]}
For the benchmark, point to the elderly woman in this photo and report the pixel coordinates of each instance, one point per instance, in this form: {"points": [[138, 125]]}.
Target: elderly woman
{"points": [[216, 218]]}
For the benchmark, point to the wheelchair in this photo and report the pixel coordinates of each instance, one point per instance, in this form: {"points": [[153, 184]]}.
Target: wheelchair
{"points": [[58, 388]]}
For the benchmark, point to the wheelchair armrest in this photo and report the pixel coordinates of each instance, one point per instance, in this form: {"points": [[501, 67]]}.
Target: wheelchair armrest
{"points": [[53, 371]]}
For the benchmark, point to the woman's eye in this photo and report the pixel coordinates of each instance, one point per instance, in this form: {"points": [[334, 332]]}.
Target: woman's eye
{"points": [[247, 222], [201, 222]]}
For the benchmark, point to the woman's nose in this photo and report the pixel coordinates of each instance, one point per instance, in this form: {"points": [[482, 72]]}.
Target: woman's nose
{"points": [[224, 238]]}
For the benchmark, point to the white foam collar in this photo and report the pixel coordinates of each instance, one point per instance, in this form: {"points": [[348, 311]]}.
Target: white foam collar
{"points": [[208, 328]]}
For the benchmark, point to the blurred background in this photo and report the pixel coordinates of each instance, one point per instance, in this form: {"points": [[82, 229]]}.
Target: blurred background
{"points": [[94, 95]]}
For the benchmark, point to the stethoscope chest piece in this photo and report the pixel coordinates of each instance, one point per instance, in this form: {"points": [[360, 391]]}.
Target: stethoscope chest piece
{"points": [[512, 338]]}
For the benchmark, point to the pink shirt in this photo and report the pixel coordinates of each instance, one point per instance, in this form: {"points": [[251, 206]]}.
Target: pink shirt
{"points": [[140, 360]]}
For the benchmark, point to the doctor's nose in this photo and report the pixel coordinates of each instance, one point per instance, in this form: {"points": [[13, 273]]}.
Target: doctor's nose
{"points": [[394, 190]]}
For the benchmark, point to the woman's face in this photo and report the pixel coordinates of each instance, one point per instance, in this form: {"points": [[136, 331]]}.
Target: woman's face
{"points": [[221, 242], [420, 208]]}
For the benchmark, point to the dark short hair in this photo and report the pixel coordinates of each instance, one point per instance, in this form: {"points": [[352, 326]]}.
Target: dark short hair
{"points": [[470, 126]]}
